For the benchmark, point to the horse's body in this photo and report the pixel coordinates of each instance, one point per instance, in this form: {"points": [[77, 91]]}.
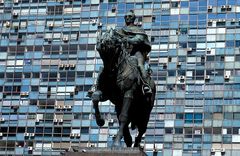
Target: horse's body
{"points": [[120, 82]]}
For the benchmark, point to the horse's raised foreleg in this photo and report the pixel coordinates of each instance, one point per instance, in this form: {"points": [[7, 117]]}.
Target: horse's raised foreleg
{"points": [[123, 117], [95, 99]]}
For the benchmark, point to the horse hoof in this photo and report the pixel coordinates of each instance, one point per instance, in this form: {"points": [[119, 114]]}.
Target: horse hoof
{"points": [[100, 122], [116, 144], [137, 145]]}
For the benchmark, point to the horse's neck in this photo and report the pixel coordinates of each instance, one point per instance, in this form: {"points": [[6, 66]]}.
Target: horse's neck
{"points": [[122, 61], [110, 63], [107, 67]]}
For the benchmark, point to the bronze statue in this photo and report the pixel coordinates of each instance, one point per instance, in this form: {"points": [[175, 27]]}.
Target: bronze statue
{"points": [[138, 45], [124, 81]]}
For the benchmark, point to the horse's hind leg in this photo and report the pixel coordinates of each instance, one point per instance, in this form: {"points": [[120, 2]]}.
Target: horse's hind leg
{"points": [[127, 136], [123, 117], [138, 139]]}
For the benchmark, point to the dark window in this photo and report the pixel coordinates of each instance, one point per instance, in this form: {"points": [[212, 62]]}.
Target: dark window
{"points": [[84, 130]]}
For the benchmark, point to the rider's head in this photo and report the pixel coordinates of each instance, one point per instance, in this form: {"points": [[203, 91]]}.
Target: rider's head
{"points": [[130, 17]]}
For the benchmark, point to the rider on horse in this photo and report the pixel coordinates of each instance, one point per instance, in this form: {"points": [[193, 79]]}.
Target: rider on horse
{"points": [[124, 80], [137, 45]]}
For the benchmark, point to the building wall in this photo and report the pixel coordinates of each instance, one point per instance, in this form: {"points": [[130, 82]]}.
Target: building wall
{"points": [[48, 62]]}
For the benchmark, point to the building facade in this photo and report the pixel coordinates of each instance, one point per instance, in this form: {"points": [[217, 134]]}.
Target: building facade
{"points": [[48, 62]]}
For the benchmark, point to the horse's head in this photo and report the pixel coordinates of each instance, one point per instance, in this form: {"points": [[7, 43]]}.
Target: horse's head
{"points": [[109, 39], [109, 46]]}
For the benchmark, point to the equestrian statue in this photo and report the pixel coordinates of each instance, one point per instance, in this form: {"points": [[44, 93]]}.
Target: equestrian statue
{"points": [[124, 80]]}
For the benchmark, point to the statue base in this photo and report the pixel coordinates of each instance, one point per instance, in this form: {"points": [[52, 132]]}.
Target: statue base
{"points": [[95, 151]]}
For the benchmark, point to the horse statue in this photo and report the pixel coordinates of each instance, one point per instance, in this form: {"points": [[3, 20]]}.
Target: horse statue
{"points": [[120, 82]]}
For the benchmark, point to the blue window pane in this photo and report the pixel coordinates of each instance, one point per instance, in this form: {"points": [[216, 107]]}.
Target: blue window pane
{"points": [[130, 6], [24, 88], [188, 116], [184, 4], [221, 2], [197, 116]]}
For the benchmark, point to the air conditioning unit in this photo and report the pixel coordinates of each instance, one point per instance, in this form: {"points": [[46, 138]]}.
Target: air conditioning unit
{"points": [[94, 21], [8, 24], [72, 134], [67, 65], [213, 150], [61, 66], [15, 14], [37, 120], [179, 63], [77, 135], [65, 39], [31, 134], [50, 25], [72, 65], [221, 20], [207, 77], [100, 24], [68, 107], [227, 77], [209, 7], [155, 150], [91, 145], [24, 93], [181, 77], [30, 148], [189, 49], [114, 8], [233, 20], [228, 6], [210, 20], [209, 49], [58, 107], [111, 120], [60, 120], [197, 132], [1, 134], [223, 6], [140, 23], [26, 134], [61, 1], [223, 150], [55, 120], [1, 1], [2, 119], [15, 1], [178, 32]]}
